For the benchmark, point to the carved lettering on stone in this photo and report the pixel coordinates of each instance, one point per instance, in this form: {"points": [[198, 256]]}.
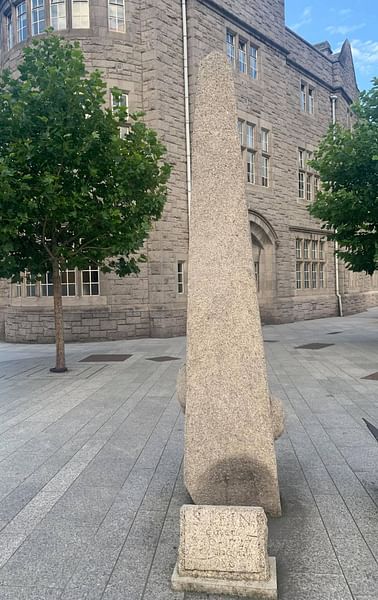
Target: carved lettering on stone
{"points": [[224, 541]]}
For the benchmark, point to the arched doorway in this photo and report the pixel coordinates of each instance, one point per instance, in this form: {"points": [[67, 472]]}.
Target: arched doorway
{"points": [[264, 241]]}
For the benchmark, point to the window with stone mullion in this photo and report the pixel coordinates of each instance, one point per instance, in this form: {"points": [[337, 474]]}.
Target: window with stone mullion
{"points": [[22, 21], [9, 29], [117, 15], [80, 14], [38, 18], [58, 14]]}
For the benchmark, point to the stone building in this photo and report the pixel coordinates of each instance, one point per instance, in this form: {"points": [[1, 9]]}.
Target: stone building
{"points": [[288, 93]]}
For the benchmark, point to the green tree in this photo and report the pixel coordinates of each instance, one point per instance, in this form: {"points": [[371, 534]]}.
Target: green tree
{"points": [[72, 192], [347, 162]]}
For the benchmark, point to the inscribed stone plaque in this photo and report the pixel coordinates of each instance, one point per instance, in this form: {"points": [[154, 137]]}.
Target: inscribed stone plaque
{"points": [[227, 542]]}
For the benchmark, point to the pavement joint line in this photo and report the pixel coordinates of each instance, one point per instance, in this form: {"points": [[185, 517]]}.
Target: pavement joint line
{"points": [[324, 525], [317, 449], [334, 482], [71, 460], [135, 516], [62, 447]]}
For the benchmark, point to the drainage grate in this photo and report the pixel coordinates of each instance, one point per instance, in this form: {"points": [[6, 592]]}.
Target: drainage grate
{"points": [[313, 346], [106, 358], [162, 358], [372, 377], [334, 332], [270, 341]]}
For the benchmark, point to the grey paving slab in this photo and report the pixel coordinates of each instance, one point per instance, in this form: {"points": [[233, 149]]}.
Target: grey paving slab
{"points": [[91, 468]]}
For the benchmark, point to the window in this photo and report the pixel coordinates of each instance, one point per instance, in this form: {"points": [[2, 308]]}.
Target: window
{"points": [[58, 15], [313, 264], [38, 16], [301, 159], [306, 179], [18, 287], [241, 131], [9, 24], [265, 140], [121, 101], [311, 102], [250, 135], [306, 272], [253, 62], [305, 249], [180, 277], [251, 167], [298, 275], [117, 15], [118, 102], [257, 274], [30, 286], [91, 281], [246, 133], [303, 97], [314, 274], [69, 283], [301, 191], [80, 14], [231, 47], [309, 188], [316, 185], [298, 248], [47, 287], [321, 275], [307, 98], [247, 59], [22, 22], [321, 250], [265, 171], [242, 56], [265, 148]]}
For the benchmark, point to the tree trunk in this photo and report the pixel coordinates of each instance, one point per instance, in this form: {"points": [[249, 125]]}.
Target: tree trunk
{"points": [[60, 365]]}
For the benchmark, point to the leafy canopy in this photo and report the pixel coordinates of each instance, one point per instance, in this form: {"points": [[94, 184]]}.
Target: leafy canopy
{"points": [[347, 162], [71, 190]]}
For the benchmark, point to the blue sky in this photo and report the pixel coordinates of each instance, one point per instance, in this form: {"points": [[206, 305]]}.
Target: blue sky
{"points": [[335, 20]]}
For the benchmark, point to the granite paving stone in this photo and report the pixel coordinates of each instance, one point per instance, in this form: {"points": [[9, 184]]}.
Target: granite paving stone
{"points": [[91, 469]]}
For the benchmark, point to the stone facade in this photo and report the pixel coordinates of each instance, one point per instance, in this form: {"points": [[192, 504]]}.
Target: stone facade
{"points": [[146, 62]]}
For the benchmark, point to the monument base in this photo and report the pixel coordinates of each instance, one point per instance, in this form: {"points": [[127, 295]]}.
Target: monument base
{"points": [[257, 590]]}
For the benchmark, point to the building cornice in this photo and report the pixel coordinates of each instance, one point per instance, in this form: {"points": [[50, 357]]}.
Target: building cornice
{"points": [[235, 20], [232, 18], [309, 74], [310, 230], [309, 45]]}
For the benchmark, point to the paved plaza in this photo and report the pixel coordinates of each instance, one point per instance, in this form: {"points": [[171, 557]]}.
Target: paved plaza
{"points": [[91, 467]]}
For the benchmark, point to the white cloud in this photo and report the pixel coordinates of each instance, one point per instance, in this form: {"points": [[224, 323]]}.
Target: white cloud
{"points": [[305, 19], [344, 29], [345, 12]]}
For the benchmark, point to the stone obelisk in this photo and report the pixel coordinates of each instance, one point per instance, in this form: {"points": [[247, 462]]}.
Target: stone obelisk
{"points": [[229, 446]]}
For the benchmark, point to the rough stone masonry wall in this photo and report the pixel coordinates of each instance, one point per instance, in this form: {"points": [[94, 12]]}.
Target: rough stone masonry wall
{"points": [[147, 63], [37, 326], [163, 103], [4, 301]]}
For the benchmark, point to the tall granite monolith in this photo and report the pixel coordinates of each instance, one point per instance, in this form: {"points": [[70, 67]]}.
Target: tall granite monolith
{"points": [[229, 446]]}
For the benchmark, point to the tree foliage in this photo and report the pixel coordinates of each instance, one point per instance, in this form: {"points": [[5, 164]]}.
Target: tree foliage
{"points": [[347, 203], [73, 193]]}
